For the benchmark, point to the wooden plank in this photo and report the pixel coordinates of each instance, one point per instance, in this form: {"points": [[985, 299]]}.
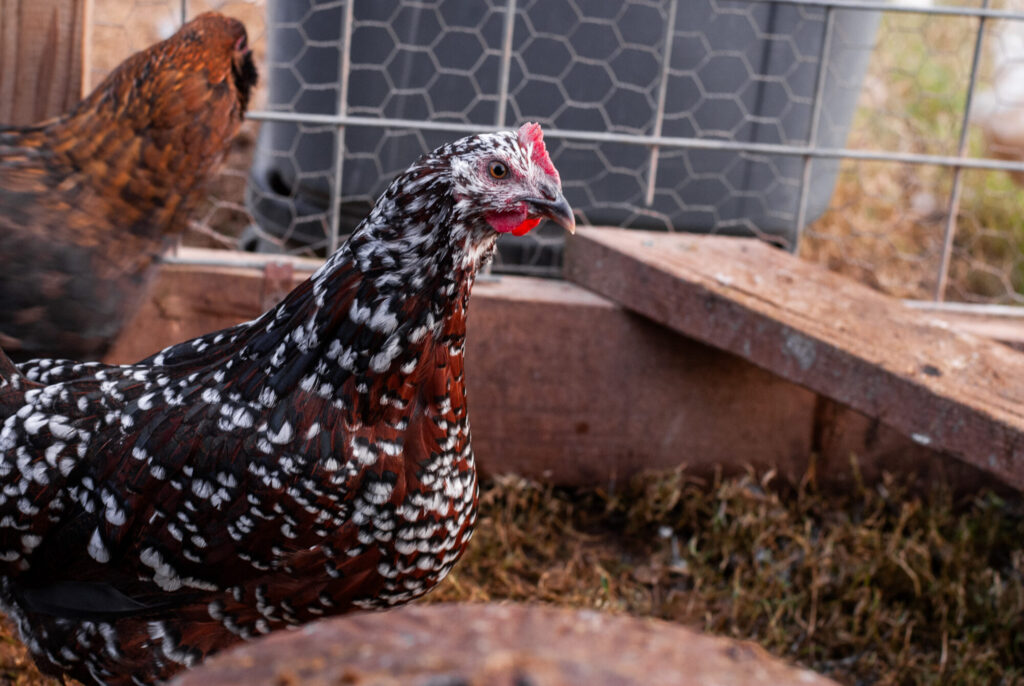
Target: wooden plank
{"points": [[568, 387], [41, 43], [1002, 326], [951, 391], [217, 257], [492, 643], [1006, 329]]}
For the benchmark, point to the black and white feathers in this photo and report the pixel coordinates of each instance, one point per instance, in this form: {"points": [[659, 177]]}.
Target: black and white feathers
{"points": [[312, 461]]}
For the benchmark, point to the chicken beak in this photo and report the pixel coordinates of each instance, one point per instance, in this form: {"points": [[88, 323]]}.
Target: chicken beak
{"points": [[556, 210]]}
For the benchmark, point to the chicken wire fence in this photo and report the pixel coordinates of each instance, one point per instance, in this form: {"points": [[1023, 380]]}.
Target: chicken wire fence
{"points": [[882, 140]]}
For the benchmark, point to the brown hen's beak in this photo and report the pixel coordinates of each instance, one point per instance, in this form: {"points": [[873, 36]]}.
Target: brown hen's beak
{"points": [[556, 210]]}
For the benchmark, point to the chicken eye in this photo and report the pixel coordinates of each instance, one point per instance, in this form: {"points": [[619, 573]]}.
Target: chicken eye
{"points": [[498, 169], [241, 43]]}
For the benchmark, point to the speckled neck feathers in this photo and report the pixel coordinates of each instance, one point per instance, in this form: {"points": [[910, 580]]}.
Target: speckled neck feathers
{"points": [[399, 285]]}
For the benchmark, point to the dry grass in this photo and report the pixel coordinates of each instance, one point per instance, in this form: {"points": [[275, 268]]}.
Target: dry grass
{"points": [[876, 586], [886, 221]]}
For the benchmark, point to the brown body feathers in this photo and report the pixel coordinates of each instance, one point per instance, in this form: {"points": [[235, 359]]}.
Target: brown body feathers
{"points": [[90, 199]]}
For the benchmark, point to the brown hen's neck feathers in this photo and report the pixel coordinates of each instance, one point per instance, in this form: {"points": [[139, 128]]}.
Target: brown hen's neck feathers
{"points": [[89, 200]]}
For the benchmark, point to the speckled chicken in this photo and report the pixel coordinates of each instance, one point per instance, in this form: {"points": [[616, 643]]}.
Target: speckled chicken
{"points": [[89, 200], [312, 461]]}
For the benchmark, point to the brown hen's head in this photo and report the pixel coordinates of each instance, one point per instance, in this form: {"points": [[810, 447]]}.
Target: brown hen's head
{"points": [[191, 90], [214, 46], [219, 45]]}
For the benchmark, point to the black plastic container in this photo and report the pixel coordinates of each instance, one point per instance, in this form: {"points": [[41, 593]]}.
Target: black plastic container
{"points": [[738, 71]]}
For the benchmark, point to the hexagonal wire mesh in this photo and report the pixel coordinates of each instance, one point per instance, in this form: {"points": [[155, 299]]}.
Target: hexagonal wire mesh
{"points": [[847, 118]]}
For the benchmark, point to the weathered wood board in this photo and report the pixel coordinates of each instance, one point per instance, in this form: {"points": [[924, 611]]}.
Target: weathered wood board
{"points": [[951, 391], [1007, 329], [498, 645], [568, 387], [41, 44]]}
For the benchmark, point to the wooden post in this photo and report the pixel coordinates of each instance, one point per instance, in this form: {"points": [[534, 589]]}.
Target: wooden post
{"points": [[41, 44]]}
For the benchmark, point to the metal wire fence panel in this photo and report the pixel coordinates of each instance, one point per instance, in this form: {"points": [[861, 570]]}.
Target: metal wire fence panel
{"points": [[834, 128]]}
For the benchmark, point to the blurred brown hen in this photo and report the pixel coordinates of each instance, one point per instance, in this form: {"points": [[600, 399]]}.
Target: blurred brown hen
{"points": [[89, 200]]}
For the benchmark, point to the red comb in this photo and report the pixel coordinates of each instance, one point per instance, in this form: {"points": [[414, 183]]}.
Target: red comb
{"points": [[530, 134]]}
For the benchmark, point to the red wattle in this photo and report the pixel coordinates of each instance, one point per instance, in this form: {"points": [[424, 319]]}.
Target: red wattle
{"points": [[515, 222], [525, 227]]}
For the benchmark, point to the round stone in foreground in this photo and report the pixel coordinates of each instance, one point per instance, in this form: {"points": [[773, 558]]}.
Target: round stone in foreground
{"points": [[496, 645]]}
